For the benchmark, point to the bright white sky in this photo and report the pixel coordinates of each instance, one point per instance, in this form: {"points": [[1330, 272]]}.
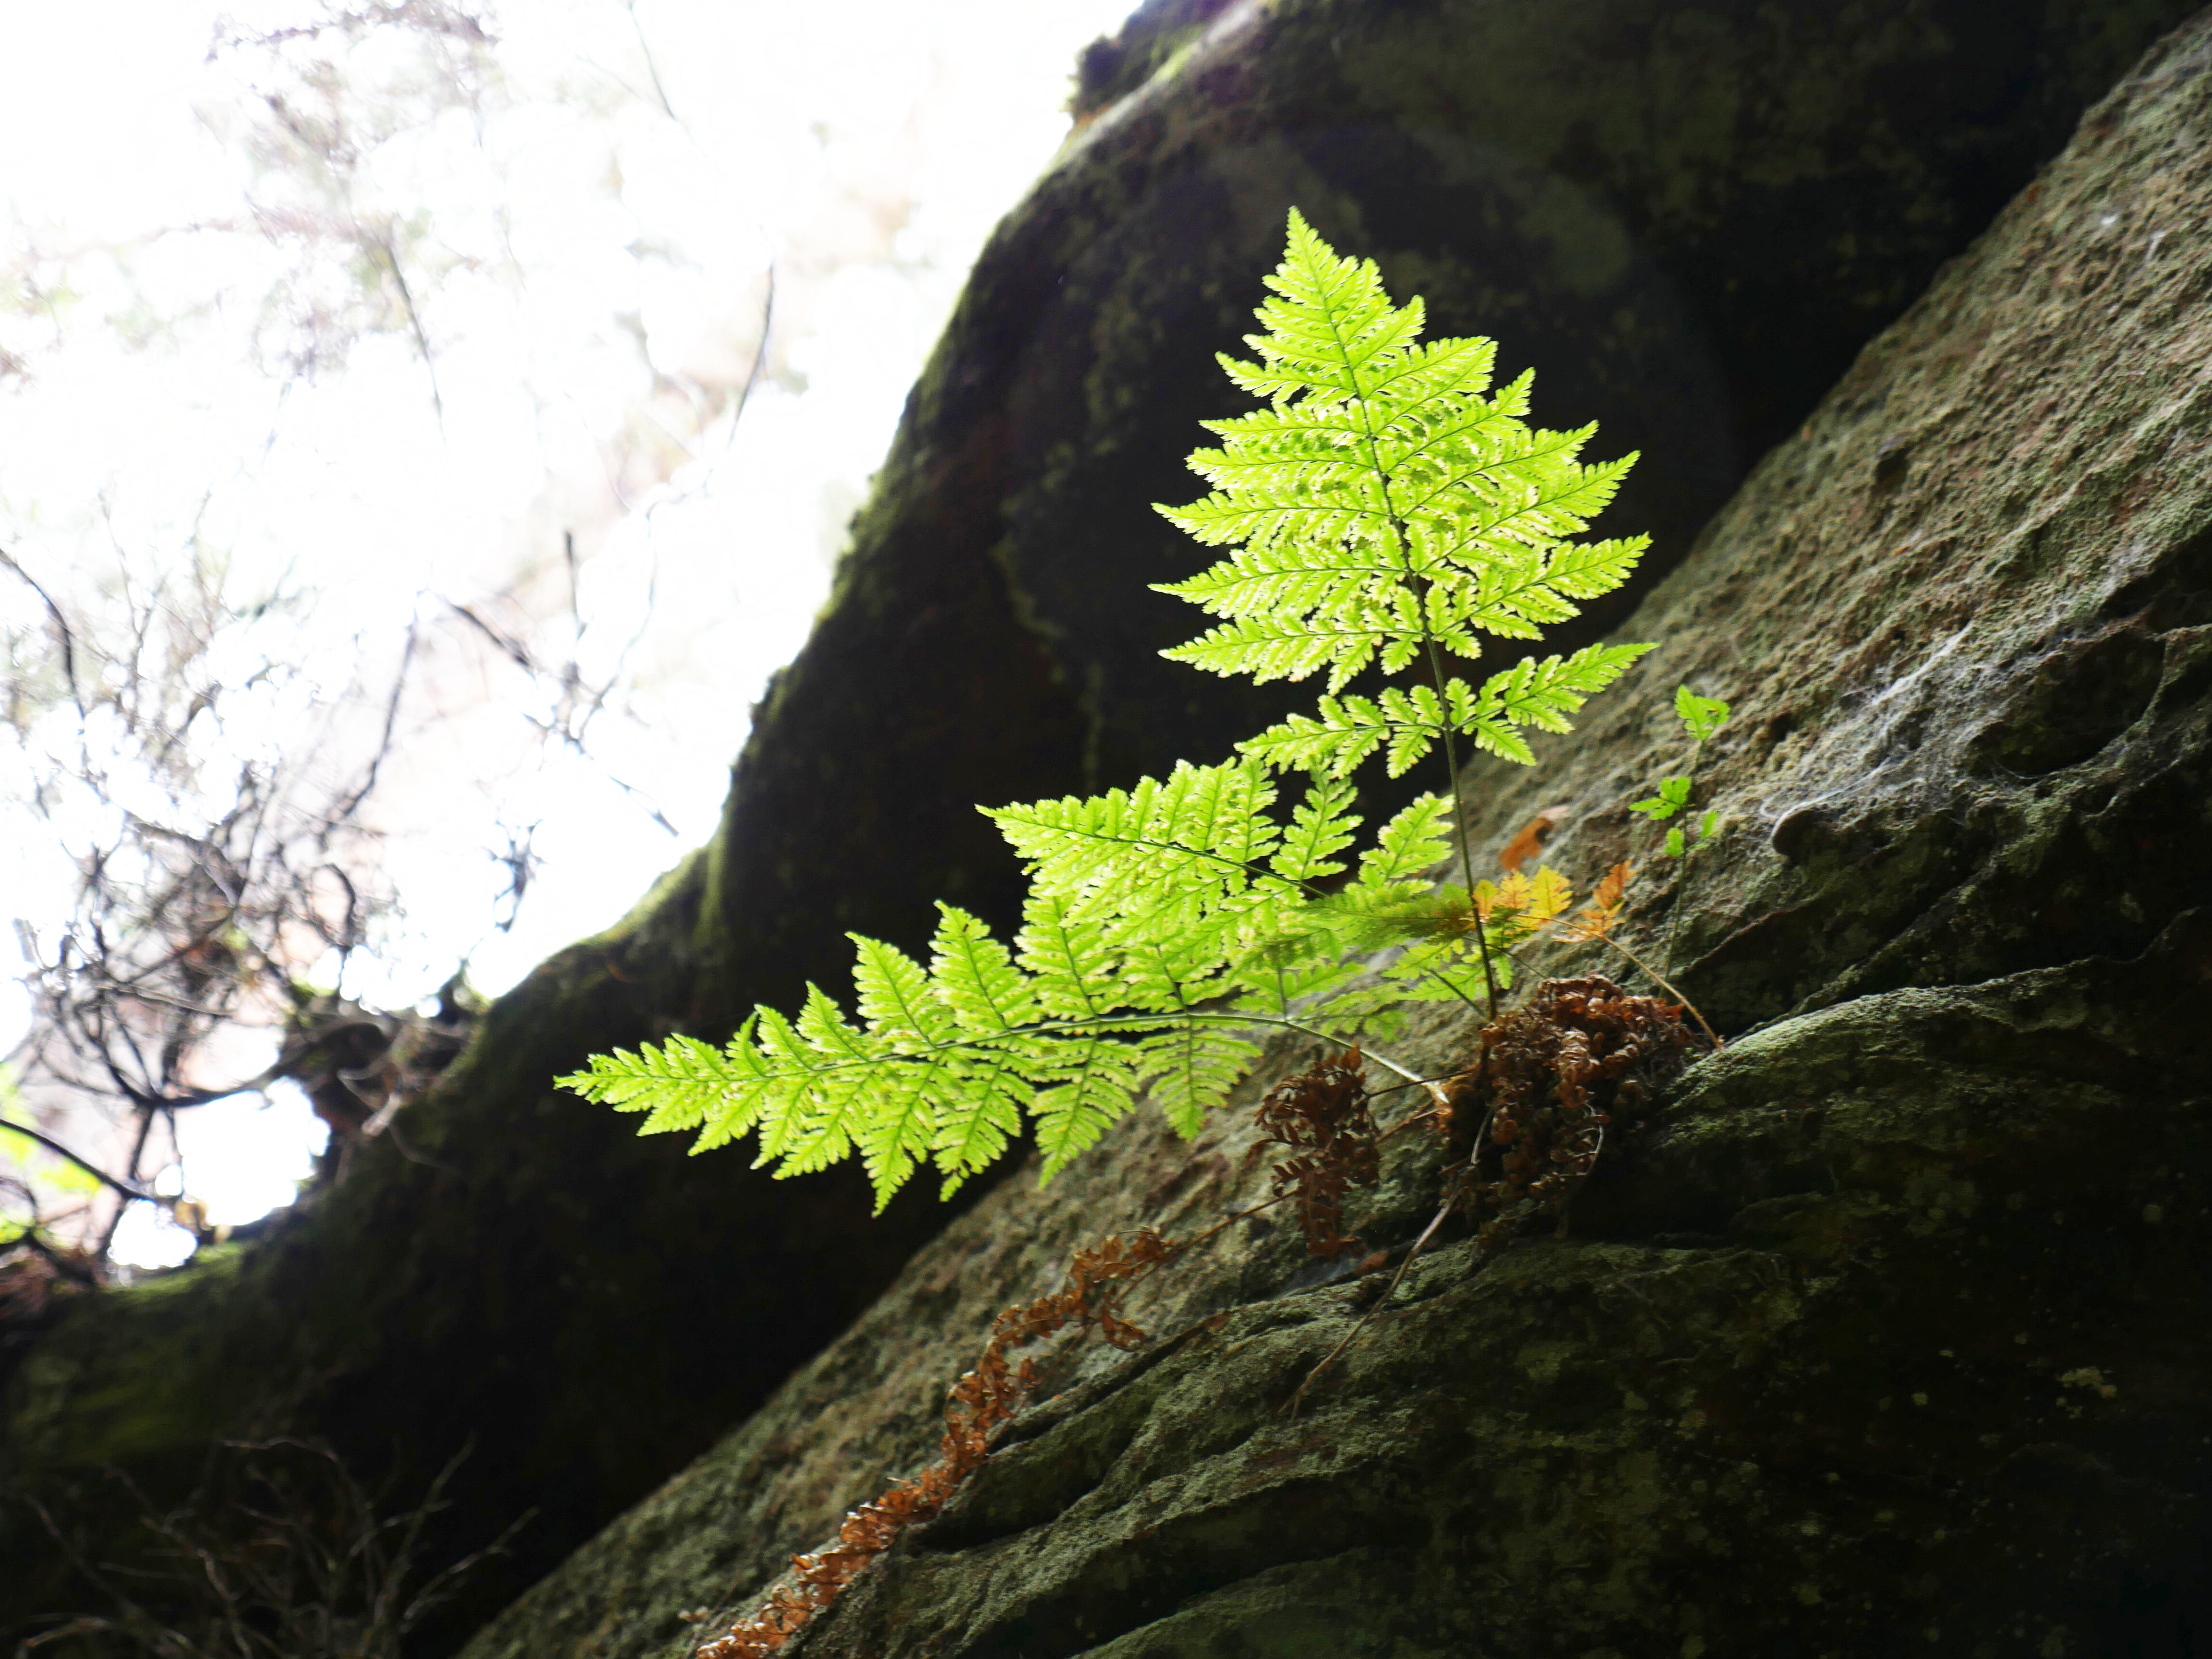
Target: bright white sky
{"points": [[591, 278]]}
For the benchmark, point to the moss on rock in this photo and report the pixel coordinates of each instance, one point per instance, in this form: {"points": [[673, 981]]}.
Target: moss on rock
{"points": [[1155, 36], [521, 1276]]}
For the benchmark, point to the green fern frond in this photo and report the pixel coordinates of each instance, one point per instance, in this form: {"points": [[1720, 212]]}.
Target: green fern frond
{"points": [[978, 1121], [1204, 825], [1417, 840], [985, 992], [1190, 1067], [1388, 507], [1322, 826], [1444, 970], [1092, 1083], [896, 999], [1541, 695], [1404, 723], [675, 1084], [1070, 958]]}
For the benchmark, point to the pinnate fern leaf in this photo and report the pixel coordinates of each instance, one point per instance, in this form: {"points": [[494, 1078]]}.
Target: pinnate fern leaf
{"points": [[1387, 508]]}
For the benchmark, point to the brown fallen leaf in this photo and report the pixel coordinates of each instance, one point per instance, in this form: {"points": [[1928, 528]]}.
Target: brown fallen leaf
{"points": [[1530, 842]]}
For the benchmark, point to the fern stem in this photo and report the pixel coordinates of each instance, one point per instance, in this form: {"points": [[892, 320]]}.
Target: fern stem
{"points": [[1403, 533], [1381, 1302], [1689, 852], [1094, 1023], [1660, 981], [1461, 994], [1257, 872], [1288, 1024], [1459, 812], [1230, 1220]]}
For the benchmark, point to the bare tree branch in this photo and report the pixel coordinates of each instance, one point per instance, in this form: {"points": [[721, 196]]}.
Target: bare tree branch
{"points": [[652, 69], [346, 808], [382, 244], [63, 638], [128, 1188]]}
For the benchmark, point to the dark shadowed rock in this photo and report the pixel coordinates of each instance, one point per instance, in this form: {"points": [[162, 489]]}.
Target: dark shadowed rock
{"points": [[1891, 1334], [1688, 217]]}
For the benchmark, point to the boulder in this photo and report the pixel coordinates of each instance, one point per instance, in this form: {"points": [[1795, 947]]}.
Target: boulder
{"points": [[1686, 216], [1890, 1333]]}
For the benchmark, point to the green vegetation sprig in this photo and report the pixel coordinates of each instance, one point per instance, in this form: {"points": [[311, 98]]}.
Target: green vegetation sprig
{"points": [[1701, 718], [1386, 509]]}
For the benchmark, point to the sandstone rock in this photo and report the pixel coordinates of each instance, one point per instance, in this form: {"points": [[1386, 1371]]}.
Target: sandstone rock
{"points": [[1893, 1336]]}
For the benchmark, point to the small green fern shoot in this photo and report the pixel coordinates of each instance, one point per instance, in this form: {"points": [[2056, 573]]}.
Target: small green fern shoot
{"points": [[1385, 509], [1701, 718]]}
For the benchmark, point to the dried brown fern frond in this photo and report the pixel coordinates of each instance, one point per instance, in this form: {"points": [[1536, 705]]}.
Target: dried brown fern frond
{"points": [[1581, 1059], [1323, 1115], [1597, 921], [1530, 842], [1524, 1124], [1598, 917], [1098, 1279]]}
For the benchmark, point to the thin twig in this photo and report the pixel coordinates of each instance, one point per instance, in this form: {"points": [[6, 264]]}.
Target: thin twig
{"points": [[1426, 1115], [346, 808], [382, 244], [1657, 979], [653, 68], [1228, 1221], [1381, 1302], [63, 637], [129, 1189]]}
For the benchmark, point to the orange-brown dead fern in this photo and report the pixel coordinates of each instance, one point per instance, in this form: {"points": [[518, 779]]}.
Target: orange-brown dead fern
{"points": [[1580, 1061], [1091, 1298], [1322, 1115]]}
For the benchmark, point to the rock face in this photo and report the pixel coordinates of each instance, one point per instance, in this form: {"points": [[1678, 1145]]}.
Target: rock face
{"points": [[1890, 1335], [1687, 217]]}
